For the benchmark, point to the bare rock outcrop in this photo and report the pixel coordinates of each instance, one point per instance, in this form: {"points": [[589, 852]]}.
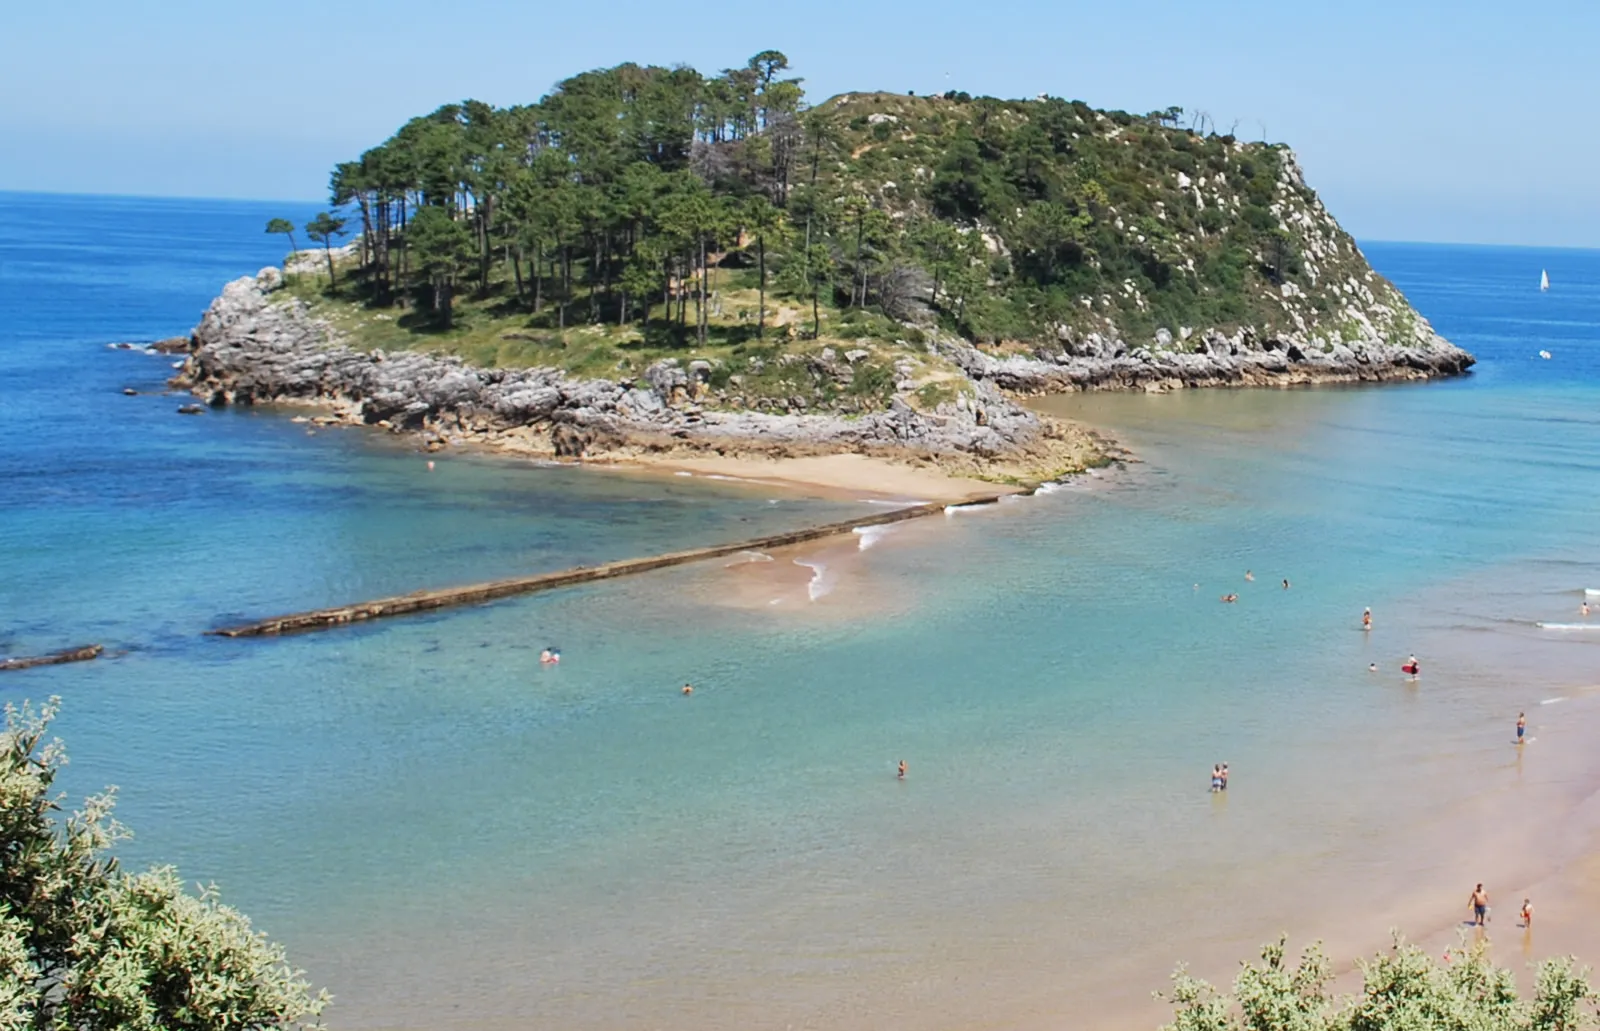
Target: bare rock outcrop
{"points": [[253, 347]]}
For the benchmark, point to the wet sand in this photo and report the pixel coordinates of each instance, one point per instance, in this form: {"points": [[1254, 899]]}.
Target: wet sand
{"points": [[831, 476]]}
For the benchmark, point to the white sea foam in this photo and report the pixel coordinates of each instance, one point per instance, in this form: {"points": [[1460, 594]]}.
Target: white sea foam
{"points": [[1552, 701], [1593, 592], [1568, 626], [821, 583], [891, 503], [953, 509], [870, 535], [1049, 488], [683, 472], [747, 557]]}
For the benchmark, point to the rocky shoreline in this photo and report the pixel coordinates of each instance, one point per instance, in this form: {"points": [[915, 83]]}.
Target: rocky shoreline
{"points": [[251, 347], [1240, 360]]}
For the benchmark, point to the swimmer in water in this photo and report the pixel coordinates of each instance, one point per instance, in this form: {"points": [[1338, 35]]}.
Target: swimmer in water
{"points": [[430, 465], [687, 690], [1286, 584], [1527, 914], [1216, 777], [1522, 726], [1583, 609], [1366, 619], [1224, 776], [901, 774], [1372, 667], [1251, 577], [549, 657], [1230, 598]]}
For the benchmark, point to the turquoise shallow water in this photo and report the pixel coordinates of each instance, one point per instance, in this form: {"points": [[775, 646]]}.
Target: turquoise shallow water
{"points": [[449, 835]]}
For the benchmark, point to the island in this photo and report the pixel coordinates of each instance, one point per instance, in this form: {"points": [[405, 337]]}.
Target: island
{"points": [[655, 263]]}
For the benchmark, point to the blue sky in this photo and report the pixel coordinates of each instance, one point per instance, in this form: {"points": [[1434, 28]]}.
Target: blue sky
{"points": [[1420, 120]]}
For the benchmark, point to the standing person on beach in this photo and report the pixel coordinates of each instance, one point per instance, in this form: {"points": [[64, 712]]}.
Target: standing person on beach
{"points": [[1479, 902], [1522, 726], [1527, 914]]}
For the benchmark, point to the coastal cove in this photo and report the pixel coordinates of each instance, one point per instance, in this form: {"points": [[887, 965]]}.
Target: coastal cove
{"points": [[450, 836]]}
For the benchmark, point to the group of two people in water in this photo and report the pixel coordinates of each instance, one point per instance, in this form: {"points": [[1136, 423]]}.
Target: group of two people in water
{"points": [[1219, 777], [1230, 597], [1478, 904]]}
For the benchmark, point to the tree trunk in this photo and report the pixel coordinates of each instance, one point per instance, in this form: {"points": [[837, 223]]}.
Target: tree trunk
{"points": [[566, 285], [327, 249], [704, 310], [516, 271], [761, 287], [366, 229], [538, 278], [816, 313], [487, 206]]}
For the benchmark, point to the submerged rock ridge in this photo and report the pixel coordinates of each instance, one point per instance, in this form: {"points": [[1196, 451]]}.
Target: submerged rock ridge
{"points": [[252, 347]]}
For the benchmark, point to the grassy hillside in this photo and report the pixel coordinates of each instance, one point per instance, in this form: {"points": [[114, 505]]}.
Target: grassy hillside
{"points": [[808, 253]]}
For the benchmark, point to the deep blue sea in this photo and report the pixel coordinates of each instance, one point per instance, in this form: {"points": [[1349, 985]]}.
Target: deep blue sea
{"points": [[450, 836]]}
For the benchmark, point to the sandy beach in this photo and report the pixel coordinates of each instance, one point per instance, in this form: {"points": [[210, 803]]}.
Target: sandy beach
{"points": [[832, 476]]}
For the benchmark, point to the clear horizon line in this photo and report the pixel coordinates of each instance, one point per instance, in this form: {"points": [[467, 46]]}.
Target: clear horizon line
{"points": [[306, 202]]}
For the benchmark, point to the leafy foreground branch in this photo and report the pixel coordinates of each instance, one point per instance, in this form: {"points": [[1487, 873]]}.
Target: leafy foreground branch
{"points": [[1403, 990], [86, 946]]}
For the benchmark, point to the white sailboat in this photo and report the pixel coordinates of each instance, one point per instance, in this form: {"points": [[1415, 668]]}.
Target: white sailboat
{"points": [[1544, 280]]}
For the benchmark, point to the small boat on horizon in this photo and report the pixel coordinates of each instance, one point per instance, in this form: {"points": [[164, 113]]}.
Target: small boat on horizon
{"points": [[1544, 280]]}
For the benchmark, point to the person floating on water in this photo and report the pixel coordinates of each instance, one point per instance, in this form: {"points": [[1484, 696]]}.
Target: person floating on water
{"points": [[1366, 619], [549, 657], [688, 689], [1522, 726], [1527, 914], [1479, 902], [901, 774], [1230, 598]]}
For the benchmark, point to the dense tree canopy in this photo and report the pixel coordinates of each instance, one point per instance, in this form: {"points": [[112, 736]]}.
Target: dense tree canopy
{"points": [[624, 194]]}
